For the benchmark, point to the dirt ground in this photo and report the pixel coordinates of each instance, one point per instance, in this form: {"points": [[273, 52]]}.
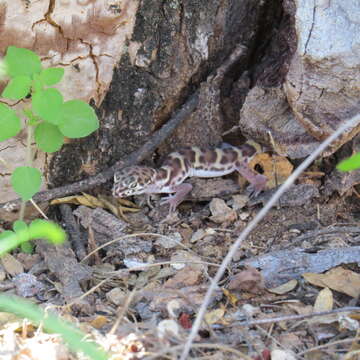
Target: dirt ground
{"points": [[138, 295]]}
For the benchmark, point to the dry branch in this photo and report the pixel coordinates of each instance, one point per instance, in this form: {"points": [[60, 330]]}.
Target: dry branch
{"points": [[351, 123]]}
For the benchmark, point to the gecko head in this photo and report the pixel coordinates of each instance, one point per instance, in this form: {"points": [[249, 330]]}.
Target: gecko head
{"points": [[133, 180]]}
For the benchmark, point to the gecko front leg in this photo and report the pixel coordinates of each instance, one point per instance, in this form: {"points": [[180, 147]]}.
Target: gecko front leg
{"points": [[256, 180], [180, 193]]}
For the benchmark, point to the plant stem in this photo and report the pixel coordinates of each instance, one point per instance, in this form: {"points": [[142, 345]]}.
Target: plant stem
{"points": [[29, 161]]}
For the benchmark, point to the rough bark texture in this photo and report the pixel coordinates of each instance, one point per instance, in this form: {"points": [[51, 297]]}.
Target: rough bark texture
{"points": [[321, 86], [295, 83], [174, 47], [78, 36]]}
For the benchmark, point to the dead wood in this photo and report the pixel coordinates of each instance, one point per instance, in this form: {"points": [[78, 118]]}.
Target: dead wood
{"points": [[279, 267]]}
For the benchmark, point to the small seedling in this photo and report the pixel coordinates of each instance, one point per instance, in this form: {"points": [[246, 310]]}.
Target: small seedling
{"points": [[349, 164], [48, 117], [47, 120]]}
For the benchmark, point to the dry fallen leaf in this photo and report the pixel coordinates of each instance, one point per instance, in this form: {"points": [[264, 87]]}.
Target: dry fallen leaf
{"points": [[188, 276], [99, 322], [249, 280], [100, 202], [85, 199], [339, 279], [230, 296], [215, 316], [284, 288], [11, 265], [324, 301]]}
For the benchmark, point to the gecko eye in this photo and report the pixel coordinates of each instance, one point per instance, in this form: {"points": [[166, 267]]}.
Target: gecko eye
{"points": [[132, 185]]}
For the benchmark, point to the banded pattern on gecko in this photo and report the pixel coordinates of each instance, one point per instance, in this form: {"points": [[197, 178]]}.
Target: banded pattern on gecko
{"points": [[187, 162]]}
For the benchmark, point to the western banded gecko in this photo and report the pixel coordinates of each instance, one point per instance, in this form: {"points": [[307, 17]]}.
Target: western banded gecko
{"points": [[187, 162]]}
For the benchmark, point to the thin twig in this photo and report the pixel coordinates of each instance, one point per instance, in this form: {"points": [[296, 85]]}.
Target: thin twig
{"points": [[252, 224], [221, 347], [324, 346], [123, 310], [37, 207], [297, 317]]}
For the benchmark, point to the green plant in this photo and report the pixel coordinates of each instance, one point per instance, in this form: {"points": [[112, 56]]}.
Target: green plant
{"points": [[23, 233], [349, 164], [53, 324], [47, 119]]}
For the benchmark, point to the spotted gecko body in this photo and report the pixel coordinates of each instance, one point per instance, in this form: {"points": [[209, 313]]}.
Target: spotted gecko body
{"points": [[187, 162]]}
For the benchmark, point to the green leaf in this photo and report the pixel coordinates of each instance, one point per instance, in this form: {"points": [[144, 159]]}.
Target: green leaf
{"points": [[10, 124], [21, 230], [8, 241], [20, 226], [17, 88], [37, 84], [26, 181], [51, 76], [78, 119], [48, 137], [47, 104], [27, 247], [47, 230], [21, 61], [352, 163]]}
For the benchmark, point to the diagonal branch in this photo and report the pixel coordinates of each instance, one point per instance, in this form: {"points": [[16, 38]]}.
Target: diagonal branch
{"points": [[354, 121], [137, 156], [134, 158]]}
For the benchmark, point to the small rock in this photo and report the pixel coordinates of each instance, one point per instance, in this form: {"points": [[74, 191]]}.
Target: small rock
{"points": [[210, 231], [249, 280], [182, 258], [250, 310], [27, 285], [198, 235], [116, 296], [188, 276], [244, 215], [186, 232], [28, 260], [239, 201], [11, 265], [168, 328], [221, 212], [169, 241], [174, 308]]}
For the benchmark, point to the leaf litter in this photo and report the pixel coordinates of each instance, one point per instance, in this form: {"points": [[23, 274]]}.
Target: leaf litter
{"points": [[139, 287]]}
